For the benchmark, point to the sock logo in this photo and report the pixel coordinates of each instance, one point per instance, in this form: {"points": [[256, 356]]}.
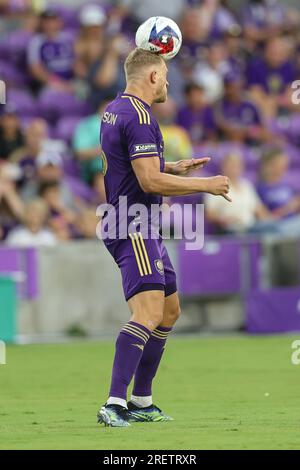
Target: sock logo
{"points": [[139, 346], [159, 266]]}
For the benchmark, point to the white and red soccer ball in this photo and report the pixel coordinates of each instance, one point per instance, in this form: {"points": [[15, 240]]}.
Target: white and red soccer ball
{"points": [[159, 35]]}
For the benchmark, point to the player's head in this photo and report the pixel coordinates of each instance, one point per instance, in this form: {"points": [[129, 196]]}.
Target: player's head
{"points": [[146, 69]]}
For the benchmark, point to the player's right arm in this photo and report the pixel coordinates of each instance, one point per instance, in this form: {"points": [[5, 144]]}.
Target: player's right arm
{"points": [[139, 132], [151, 180]]}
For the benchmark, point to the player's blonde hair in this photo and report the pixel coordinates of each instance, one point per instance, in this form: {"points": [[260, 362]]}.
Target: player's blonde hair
{"points": [[139, 59]]}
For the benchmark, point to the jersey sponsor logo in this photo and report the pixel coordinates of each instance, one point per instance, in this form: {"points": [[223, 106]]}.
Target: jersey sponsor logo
{"points": [[159, 266], [145, 148], [109, 118]]}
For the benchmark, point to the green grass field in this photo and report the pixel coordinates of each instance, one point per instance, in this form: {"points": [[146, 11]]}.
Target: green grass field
{"points": [[224, 393]]}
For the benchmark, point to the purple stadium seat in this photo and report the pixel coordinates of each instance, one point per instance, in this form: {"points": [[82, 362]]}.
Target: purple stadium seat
{"points": [[218, 268], [80, 189], [68, 15], [17, 43], [53, 104], [12, 75], [23, 101], [273, 311], [65, 128], [21, 263]]}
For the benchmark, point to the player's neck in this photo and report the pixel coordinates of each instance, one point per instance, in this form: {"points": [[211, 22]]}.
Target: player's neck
{"points": [[138, 91]]}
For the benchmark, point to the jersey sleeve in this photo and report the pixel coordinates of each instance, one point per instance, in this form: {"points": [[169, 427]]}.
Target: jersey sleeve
{"points": [[140, 139]]}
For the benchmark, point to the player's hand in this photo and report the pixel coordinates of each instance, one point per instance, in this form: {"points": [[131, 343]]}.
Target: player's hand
{"points": [[183, 167], [219, 186]]}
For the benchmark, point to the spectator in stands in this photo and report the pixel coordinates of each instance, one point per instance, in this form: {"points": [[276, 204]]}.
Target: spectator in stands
{"points": [[61, 218], [246, 208], [210, 72], [11, 137], [196, 116], [177, 144], [51, 53], [224, 20], [270, 77], [106, 74], [265, 19], [274, 190], [86, 223], [35, 136], [90, 43], [86, 145], [195, 29], [34, 231], [11, 205], [49, 169], [235, 117]]}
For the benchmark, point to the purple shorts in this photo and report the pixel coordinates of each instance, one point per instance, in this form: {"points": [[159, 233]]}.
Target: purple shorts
{"points": [[144, 264]]}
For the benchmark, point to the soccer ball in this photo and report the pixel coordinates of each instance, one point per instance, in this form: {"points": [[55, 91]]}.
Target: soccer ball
{"points": [[160, 35]]}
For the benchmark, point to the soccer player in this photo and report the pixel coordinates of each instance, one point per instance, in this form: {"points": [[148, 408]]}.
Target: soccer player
{"points": [[132, 153]]}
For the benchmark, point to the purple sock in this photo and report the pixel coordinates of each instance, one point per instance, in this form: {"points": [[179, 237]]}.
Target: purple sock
{"points": [[149, 362], [129, 349]]}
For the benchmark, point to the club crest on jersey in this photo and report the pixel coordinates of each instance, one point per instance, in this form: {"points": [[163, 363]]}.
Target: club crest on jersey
{"points": [[159, 266], [144, 147]]}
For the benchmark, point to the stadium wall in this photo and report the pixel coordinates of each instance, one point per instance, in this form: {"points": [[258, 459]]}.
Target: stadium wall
{"points": [[80, 292]]}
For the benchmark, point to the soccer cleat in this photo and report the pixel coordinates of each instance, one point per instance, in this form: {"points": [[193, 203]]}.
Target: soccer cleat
{"points": [[113, 415], [148, 414]]}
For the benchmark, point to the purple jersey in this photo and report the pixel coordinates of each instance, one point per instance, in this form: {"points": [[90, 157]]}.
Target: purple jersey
{"points": [[276, 195], [198, 123], [57, 55], [128, 131], [241, 114], [273, 81]]}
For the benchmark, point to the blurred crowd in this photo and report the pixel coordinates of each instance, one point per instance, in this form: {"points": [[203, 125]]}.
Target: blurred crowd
{"points": [[230, 97]]}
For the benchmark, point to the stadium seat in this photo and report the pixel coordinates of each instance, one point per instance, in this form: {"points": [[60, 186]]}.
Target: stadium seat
{"points": [[65, 128], [80, 189], [68, 15], [23, 102], [53, 104], [12, 76]]}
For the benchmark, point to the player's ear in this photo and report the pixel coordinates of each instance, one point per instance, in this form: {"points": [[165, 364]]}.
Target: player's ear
{"points": [[153, 76]]}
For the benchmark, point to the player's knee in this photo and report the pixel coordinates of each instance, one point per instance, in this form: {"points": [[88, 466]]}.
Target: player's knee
{"points": [[150, 320]]}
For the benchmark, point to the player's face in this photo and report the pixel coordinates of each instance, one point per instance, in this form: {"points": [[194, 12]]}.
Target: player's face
{"points": [[162, 84]]}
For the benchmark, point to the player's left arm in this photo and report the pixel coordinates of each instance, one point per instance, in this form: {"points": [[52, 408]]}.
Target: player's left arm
{"points": [[184, 167]]}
